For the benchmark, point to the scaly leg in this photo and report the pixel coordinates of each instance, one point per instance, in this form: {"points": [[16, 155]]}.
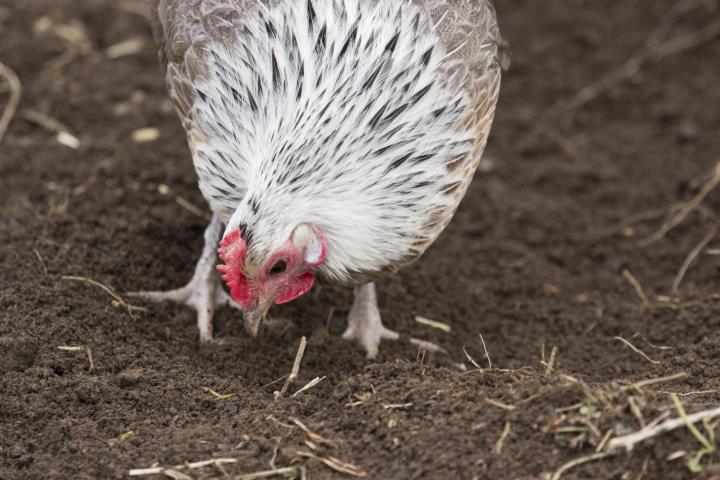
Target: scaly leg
{"points": [[364, 323], [204, 291]]}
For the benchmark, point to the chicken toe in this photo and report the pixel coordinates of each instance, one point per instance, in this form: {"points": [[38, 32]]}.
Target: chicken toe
{"points": [[204, 292], [364, 322]]}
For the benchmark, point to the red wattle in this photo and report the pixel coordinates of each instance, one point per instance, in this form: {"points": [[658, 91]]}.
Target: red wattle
{"points": [[299, 286], [232, 252]]}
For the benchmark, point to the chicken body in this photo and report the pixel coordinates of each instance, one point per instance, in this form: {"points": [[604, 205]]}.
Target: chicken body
{"points": [[333, 139]]}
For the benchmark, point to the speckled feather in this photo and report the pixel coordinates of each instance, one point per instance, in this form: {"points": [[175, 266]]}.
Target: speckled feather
{"points": [[365, 117]]}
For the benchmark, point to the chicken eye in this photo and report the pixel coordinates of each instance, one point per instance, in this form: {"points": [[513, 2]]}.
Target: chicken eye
{"points": [[279, 267]]}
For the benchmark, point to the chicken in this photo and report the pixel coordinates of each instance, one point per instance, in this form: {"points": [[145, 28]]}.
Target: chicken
{"points": [[332, 139]]}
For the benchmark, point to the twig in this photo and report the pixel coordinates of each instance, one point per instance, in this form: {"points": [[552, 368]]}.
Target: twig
{"points": [[656, 48], [604, 440], [636, 350], [630, 440], [688, 207], [632, 220], [295, 369], [15, 93], [578, 461], [636, 286], [691, 258], [487, 355], [109, 291]]}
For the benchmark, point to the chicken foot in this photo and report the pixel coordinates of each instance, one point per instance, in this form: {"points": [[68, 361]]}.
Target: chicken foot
{"points": [[204, 292]]}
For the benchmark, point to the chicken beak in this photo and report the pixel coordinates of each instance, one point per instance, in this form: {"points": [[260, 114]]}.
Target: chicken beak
{"points": [[255, 315]]}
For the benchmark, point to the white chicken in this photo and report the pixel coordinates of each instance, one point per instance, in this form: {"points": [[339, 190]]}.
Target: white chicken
{"points": [[333, 139]]}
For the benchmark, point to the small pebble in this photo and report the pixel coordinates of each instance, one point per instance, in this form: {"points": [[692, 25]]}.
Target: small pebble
{"points": [[688, 132], [231, 408]]}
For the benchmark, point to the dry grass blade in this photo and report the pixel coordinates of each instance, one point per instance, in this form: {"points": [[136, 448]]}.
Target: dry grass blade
{"points": [[654, 381], [313, 436], [397, 406], [497, 449], [139, 472], [130, 46], [175, 475], [287, 472], [487, 355], [216, 395], [636, 287], [649, 343], [551, 361], [433, 323], [136, 7], [295, 369], [578, 461], [470, 359], [691, 258], [688, 207], [192, 208], [118, 299], [88, 352], [499, 404], [636, 350], [312, 383], [206, 463], [91, 362], [15, 93], [70, 349], [41, 260], [42, 120], [336, 464], [216, 462], [629, 441]]}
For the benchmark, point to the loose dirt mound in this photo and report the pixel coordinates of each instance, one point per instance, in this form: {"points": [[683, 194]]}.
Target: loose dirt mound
{"points": [[541, 257]]}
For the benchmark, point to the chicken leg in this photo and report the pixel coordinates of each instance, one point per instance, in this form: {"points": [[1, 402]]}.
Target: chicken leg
{"points": [[364, 322], [204, 291]]}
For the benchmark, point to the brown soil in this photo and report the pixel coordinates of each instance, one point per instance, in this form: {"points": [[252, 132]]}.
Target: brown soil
{"points": [[533, 260]]}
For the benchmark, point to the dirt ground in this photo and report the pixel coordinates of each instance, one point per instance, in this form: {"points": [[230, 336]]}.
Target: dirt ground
{"points": [[540, 257]]}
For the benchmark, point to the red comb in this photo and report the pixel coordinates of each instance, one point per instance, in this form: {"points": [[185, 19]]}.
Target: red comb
{"points": [[232, 251]]}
